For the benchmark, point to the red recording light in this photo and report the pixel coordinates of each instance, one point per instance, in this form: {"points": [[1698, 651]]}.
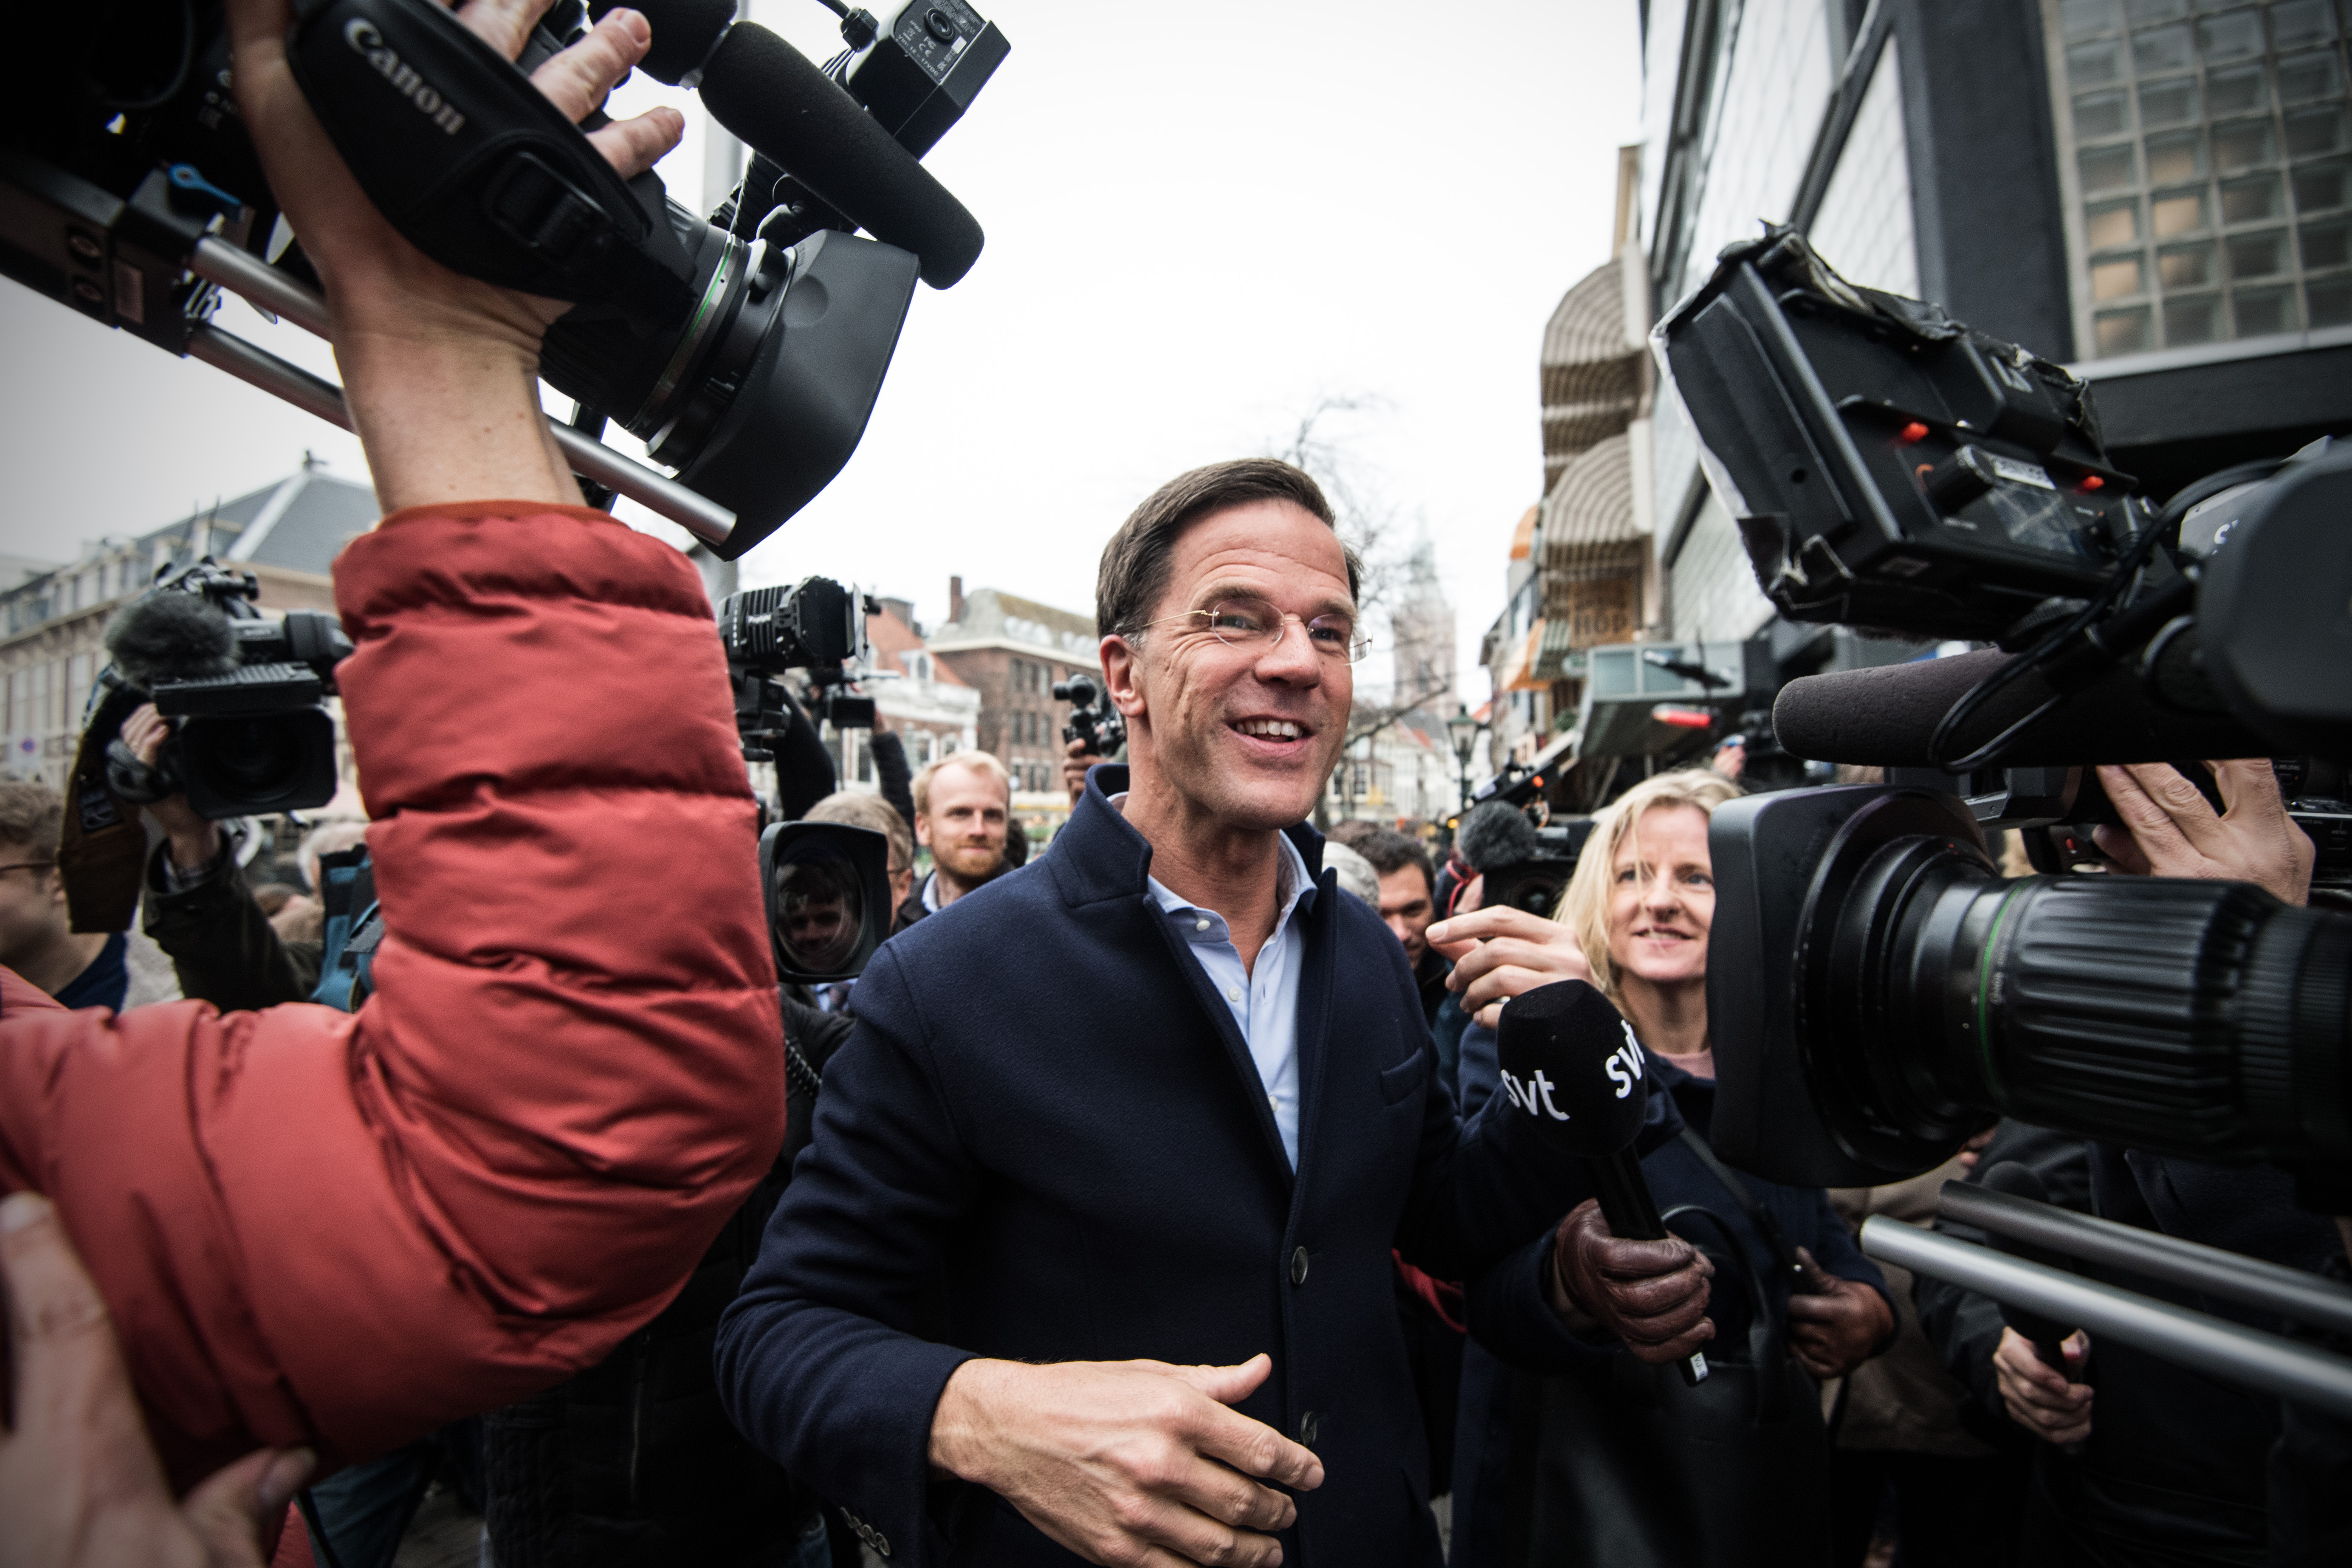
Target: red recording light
{"points": [[1914, 431], [2093, 483], [1683, 718]]}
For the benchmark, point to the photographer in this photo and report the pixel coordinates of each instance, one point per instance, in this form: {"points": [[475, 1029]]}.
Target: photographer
{"points": [[1593, 1457], [80, 969], [2139, 1462], [199, 908], [346, 1230]]}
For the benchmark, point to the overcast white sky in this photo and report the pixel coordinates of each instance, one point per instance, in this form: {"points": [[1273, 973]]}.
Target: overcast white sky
{"points": [[1201, 220]]}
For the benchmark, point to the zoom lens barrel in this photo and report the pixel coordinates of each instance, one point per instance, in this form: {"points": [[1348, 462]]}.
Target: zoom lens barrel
{"points": [[2205, 1019]]}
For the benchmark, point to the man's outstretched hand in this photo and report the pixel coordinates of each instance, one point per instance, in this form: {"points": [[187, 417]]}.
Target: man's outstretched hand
{"points": [[1500, 952], [441, 370], [80, 1484], [1134, 1463], [1651, 1294]]}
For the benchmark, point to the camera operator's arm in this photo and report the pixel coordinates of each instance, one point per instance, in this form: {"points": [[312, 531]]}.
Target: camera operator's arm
{"points": [[199, 910], [1076, 761], [1499, 952], [892, 776], [2170, 829], [350, 1229]]}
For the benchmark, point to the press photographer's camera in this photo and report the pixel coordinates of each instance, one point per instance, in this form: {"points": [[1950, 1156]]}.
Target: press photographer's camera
{"points": [[1878, 990], [1100, 728], [747, 357], [246, 693]]}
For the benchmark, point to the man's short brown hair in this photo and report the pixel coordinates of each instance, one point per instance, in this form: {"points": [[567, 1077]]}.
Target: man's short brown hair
{"points": [[32, 814], [855, 809], [978, 762], [1391, 852], [1136, 562]]}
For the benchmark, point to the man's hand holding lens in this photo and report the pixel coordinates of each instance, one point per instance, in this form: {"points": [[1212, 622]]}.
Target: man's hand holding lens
{"points": [[196, 840], [2170, 829]]}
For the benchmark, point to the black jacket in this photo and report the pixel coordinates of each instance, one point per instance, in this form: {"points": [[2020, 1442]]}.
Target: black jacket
{"points": [[1049, 1183], [634, 1464], [1571, 1451], [223, 948], [2174, 1471]]}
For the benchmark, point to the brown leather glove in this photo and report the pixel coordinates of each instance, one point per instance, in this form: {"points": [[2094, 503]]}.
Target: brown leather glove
{"points": [[1834, 1324], [1651, 1294]]}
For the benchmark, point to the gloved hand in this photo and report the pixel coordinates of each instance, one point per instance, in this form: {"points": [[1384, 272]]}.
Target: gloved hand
{"points": [[1835, 1325], [1651, 1294]]}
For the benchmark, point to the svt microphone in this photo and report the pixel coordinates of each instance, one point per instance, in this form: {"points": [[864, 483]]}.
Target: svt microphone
{"points": [[772, 98], [1570, 1064]]}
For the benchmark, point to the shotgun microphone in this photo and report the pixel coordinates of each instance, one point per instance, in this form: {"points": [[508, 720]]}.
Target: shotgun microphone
{"points": [[1571, 1065], [771, 97]]}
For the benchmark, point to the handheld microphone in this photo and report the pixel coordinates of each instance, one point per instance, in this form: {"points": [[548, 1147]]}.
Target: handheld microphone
{"points": [[2049, 1337], [1885, 715], [773, 99], [1571, 1065]]}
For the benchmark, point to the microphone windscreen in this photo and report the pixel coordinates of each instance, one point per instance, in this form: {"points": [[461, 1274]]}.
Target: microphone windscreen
{"points": [[2017, 1181], [770, 95], [1496, 835], [1570, 1064], [170, 636], [2021, 1181], [683, 30], [1885, 715]]}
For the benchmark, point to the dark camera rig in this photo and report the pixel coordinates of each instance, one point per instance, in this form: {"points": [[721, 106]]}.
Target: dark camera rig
{"points": [[251, 733], [1100, 728], [815, 626], [747, 354], [1877, 989]]}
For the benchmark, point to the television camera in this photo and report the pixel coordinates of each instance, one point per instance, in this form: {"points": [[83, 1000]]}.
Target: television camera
{"points": [[746, 351], [1094, 723], [1878, 991]]}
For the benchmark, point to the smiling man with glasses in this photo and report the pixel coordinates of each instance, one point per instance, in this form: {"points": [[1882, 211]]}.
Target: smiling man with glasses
{"points": [[1090, 1257]]}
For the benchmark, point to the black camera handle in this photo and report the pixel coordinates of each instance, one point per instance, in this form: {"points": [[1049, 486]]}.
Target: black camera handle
{"points": [[475, 167]]}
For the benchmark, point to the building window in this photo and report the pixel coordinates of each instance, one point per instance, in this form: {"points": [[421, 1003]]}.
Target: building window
{"points": [[2207, 159]]}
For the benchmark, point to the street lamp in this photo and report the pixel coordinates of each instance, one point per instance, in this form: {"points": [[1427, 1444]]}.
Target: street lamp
{"points": [[1463, 730]]}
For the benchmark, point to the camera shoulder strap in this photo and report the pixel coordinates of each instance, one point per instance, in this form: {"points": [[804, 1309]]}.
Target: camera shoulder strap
{"points": [[1777, 1240]]}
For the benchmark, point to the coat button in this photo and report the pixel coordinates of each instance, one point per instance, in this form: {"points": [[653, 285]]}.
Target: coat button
{"points": [[1306, 1429], [1298, 1265]]}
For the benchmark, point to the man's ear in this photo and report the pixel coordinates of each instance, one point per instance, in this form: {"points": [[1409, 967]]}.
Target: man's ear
{"points": [[923, 829], [1123, 664]]}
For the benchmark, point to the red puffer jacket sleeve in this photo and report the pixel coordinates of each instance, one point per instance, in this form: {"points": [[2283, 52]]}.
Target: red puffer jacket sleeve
{"points": [[348, 1230]]}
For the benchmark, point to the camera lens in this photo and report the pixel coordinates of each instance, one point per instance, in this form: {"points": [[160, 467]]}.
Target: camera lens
{"points": [[820, 914], [2201, 1018], [240, 765]]}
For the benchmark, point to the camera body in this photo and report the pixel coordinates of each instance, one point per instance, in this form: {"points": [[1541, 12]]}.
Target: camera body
{"points": [[1536, 884], [817, 624], [250, 740], [1877, 989], [750, 366], [1098, 727]]}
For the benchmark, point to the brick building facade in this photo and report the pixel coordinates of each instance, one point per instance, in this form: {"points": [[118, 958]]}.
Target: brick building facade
{"points": [[1012, 651]]}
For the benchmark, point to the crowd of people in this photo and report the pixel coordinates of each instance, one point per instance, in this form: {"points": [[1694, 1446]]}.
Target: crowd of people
{"points": [[1147, 1201]]}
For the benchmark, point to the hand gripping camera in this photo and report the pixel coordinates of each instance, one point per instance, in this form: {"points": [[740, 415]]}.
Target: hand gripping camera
{"points": [[1094, 723], [746, 351]]}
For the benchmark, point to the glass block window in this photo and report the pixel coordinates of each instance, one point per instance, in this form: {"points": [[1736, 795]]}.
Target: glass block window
{"points": [[2206, 153]]}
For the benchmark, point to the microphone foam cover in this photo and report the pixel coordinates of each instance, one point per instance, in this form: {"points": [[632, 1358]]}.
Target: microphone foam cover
{"points": [[684, 32], [170, 636], [1885, 715], [2021, 1181], [1496, 835], [770, 95], [2017, 1181], [1571, 1065]]}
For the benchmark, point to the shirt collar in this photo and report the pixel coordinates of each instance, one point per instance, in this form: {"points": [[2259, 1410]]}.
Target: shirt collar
{"points": [[1292, 884]]}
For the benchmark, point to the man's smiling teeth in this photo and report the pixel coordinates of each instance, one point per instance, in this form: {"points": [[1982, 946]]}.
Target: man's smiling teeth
{"points": [[1270, 729]]}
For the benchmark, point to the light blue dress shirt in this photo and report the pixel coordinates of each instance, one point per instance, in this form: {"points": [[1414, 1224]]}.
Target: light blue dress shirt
{"points": [[1263, 1002]]}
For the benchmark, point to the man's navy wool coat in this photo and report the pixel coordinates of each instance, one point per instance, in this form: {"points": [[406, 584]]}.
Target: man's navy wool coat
{"points": [[1046, 1141]]}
